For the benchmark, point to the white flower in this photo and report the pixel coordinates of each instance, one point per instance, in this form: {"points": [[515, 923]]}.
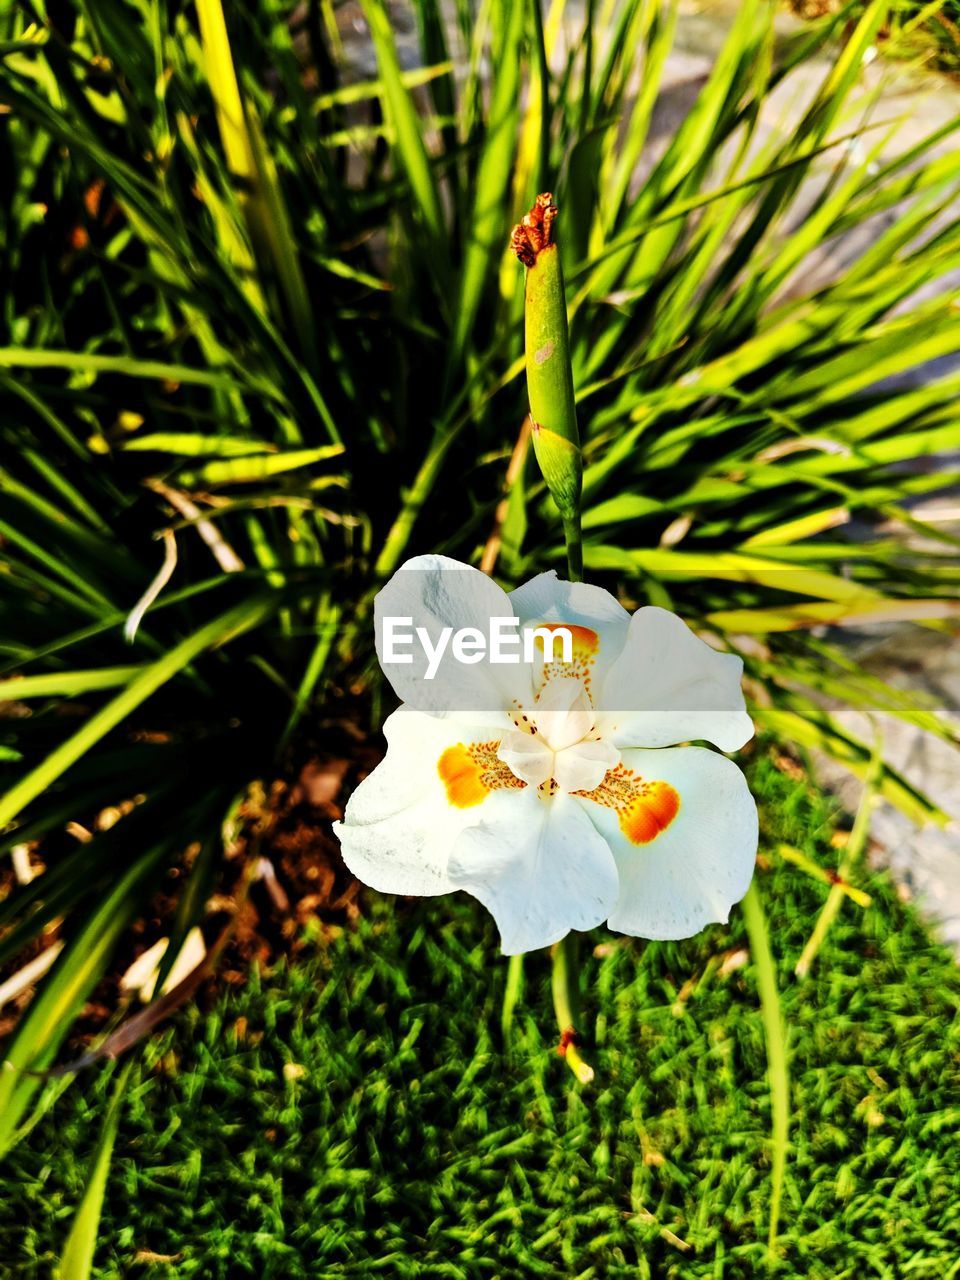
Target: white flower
{"points": [[556, 793]]}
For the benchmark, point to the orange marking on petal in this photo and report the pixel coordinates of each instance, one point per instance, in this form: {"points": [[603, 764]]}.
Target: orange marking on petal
{"points": [[651, 813], [585, 644], [470, 773], [644, 808], [462, 777]]}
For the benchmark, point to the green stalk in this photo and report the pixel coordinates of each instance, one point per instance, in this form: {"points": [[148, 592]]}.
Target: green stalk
{"points": [[778, 1072], [556, 442], [574, 539], [553, 410], [511, 995], [566, 1004]]}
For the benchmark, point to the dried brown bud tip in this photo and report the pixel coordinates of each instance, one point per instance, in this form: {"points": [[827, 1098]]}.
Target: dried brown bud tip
{"points": [[534, 233], [568, 1037]]}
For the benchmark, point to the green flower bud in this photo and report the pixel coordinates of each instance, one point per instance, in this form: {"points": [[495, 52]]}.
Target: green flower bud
{"points": [[553, 412]]}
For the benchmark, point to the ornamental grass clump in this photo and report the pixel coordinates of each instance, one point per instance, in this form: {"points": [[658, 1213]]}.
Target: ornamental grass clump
{"points": [[263, 344]]}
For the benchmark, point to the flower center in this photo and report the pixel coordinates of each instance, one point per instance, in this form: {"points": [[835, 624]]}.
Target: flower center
{"points": [[557, 741]]}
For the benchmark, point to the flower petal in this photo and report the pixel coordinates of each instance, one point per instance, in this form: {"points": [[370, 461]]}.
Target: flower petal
{"points": [[551, 600], [583, 766], [526, 755], [668, 686], [538, 866], [547, 598], [434, 592], [403, 820], [692, 861], [563, 712]]}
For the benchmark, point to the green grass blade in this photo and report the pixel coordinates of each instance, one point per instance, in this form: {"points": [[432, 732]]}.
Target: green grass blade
{"points": [[484, 233], [402, 113], [76, 972], [76, 1261], [776, 1039], [188, 444], [856, 844], [257, 467], [92, 362], [66, 684], [233, 623]]}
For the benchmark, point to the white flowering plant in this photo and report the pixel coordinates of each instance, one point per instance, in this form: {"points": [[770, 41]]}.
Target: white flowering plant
{"points": [[258, 314], [562, 792]]}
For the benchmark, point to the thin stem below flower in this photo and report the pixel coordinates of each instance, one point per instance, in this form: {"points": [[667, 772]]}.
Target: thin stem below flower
{"points": [[511, 994], [778, 1071], [566, 1005]]}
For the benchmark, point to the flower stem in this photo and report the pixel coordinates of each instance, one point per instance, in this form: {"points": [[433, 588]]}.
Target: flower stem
{"points": [[556, 442], [574, 540], [553, 410], [566, 1003], [778, 1070], [511, 994]]}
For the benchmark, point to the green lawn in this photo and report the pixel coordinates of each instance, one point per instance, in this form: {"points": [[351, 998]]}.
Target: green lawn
{"points": [[414, 1143]]}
